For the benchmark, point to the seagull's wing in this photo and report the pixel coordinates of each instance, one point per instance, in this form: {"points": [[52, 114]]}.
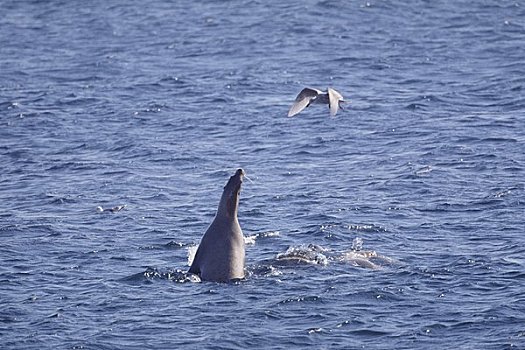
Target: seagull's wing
{"points": [[333, 98], [303, 100]]}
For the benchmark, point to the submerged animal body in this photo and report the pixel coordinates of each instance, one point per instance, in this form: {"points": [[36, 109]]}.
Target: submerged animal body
{"points": [[220, 256], [309, 96]]}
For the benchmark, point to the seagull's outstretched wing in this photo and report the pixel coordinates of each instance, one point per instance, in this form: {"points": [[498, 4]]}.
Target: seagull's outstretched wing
{"points": [[333, 98], [303, 100]]}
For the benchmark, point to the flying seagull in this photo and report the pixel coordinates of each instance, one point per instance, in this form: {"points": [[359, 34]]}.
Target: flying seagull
{"points": [[309, 96]]}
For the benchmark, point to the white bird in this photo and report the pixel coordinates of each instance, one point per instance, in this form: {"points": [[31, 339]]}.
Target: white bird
{"points": [[309, 96]]}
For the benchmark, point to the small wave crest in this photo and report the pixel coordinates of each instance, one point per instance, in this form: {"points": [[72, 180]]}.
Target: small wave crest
{"points": [[151, 274], [367, 228], [306, 254]]}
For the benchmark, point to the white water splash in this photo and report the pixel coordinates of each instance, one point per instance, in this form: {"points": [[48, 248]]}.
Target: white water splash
{"points": [[192, 250], [252, 238], [357, 243]]}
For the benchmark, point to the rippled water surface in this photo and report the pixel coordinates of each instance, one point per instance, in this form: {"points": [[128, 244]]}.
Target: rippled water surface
{"points": [[397, 224]]}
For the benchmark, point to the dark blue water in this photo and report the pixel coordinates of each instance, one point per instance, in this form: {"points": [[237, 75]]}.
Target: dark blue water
{"points": [[407, 207]]}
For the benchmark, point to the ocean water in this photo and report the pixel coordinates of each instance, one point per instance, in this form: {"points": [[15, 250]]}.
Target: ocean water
{"points": [[397, 224]]}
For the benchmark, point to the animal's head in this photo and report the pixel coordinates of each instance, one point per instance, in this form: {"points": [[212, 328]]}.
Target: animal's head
{"points": [[230, 196]]}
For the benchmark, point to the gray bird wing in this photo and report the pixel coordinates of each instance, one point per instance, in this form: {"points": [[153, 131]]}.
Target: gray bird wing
{"points": [[303, 100], [333, 98]]}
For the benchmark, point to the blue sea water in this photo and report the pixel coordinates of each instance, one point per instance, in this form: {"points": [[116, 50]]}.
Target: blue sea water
{"points": [[154, 104]]}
